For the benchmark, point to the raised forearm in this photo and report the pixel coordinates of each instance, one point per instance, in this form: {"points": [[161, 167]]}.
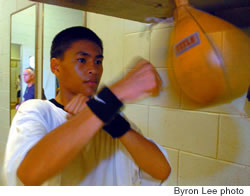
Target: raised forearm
{"points": [[53, 152], [146, 155]]}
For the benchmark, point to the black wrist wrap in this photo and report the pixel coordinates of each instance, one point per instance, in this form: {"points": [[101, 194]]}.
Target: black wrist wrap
{"points": [[117, 127], [105, 105]]}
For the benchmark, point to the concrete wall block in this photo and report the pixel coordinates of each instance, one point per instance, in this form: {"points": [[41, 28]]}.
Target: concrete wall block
{"points": [[136, 46], [159, 50], [196, 170], [234, 139], [134, 27], [189, 131], [20, 4], [138, 114]]}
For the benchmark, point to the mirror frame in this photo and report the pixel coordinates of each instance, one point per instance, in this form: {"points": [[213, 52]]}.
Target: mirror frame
{"points": [[45, 34], [36, 45], [39, 43]]}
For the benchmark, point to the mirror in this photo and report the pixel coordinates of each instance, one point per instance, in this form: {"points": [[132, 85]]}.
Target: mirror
{"points": [[55, 20], [22, 56]]}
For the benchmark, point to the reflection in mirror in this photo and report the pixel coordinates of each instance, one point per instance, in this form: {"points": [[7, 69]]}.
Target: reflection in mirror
{"points": [[22, 55], [55, 20]]}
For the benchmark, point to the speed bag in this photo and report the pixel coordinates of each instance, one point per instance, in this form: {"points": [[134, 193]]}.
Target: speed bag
{"points": [[210, 58]]}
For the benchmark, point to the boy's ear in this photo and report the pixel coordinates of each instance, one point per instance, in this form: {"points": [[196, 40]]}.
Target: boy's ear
{"points": [[54, 66]]}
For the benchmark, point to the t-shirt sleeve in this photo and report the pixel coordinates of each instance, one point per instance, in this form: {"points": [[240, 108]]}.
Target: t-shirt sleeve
{"points": [[28, 127]]}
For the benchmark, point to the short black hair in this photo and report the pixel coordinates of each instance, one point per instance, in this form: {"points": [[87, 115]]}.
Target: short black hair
{"points": [[65, 38]]}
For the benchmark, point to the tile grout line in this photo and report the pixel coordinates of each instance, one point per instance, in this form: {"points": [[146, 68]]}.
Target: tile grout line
{"points": [[204, 156], [178, 167], [218, 137]]}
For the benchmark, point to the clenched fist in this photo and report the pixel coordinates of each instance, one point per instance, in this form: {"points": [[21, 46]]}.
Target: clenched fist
{"points": [[76, 105], [142, 81]]}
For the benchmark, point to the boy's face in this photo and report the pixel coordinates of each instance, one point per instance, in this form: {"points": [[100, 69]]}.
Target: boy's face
{"points": [[81, 68]]}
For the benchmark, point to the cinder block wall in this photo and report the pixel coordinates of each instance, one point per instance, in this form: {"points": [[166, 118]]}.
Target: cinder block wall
{"points": [[206, 146]]}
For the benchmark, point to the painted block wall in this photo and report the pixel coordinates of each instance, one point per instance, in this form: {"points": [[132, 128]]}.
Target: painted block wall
{"points": [[206, 146]]}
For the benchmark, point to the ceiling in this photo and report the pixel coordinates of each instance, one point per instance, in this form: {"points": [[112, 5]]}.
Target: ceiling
{"points": [[236, 12]]}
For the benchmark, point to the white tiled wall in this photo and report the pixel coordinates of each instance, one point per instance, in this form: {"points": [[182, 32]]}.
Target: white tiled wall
{"points": [[4, 33], [234, 137], [4, 120], [206, 145], [139, 115], [110, 30], [184, 130], [7, 7], [22, 3], [159, 47], [136, 44], [134, 27], [4, 60], [2, 148], [197, 170]]}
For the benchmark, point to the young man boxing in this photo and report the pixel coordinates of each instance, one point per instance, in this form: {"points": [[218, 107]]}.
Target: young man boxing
{"points": [[80, 137]]}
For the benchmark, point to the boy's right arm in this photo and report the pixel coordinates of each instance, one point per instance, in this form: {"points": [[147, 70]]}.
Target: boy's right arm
{"points": [[56, 149]]}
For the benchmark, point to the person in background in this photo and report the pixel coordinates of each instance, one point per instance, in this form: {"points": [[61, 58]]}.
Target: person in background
{"points": [[18, 88], [29, 79]]}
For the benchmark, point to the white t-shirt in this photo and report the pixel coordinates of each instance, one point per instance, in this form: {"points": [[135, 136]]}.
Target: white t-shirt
{"points": [[104, 161]]}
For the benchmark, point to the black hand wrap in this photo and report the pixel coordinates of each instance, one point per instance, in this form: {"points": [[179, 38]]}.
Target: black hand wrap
{"points": [[117, 127], [105, 105]]}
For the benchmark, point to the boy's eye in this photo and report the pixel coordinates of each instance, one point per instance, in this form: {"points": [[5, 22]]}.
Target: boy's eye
{"points": [[98, 62], [82, 60]]}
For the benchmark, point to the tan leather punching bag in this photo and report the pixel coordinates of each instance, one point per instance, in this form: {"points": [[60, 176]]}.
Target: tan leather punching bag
{"points": [[210, 57]]}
